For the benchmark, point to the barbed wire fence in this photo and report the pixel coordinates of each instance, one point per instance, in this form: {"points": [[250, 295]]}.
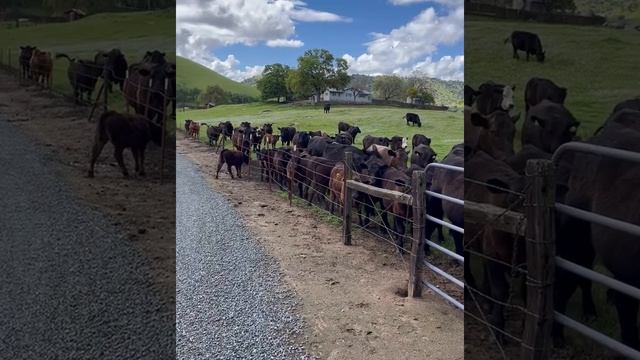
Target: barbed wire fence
{"points": [[87, 81], [309, 180]]}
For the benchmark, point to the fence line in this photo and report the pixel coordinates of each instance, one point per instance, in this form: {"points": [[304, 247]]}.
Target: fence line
{"points": [[166, 99]]}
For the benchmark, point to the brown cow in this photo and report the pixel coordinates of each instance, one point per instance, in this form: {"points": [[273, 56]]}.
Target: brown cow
{"points": [[232, 158], [194, 130], [41, 67], [124, 131]]}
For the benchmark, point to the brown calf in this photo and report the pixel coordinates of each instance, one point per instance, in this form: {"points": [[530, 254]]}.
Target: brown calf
{"points": [[124, 131], [232, 158]]}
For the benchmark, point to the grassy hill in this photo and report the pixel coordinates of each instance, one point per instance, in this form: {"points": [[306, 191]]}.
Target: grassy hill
{"points": [[194, 75], [610, 8], [133, 33]]}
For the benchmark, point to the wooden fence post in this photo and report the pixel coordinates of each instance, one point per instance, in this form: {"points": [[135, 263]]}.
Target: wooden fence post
{"points": [[163, 145], [347, 198], [418, 187], [540, 249]]}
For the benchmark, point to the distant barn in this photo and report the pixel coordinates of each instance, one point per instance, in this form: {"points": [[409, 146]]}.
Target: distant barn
{"points": [[74, 14], [344, 96]]}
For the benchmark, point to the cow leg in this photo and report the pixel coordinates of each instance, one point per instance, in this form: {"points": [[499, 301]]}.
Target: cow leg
{"points": [[118, 155], [141, 155], [527, 55], [98, 145], [499, 291], [239, 171], [229, 170], [136, 154], [219, 167], [515, 53], [457, 240], [627, 308]]}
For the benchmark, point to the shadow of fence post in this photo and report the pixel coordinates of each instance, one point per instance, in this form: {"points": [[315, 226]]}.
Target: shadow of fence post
{"points": [[418, 187], [540, 250], [347, 194]]}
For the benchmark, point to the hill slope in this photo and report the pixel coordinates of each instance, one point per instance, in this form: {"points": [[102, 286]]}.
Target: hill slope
{"points": [[194, 75]]}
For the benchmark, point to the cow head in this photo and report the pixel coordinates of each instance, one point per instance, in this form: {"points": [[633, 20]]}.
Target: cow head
{"points": [[469, 95], [550, 125], [540, 56], [154, 57], [497, 131], [422, 156], [27, 51], [507, 97]]}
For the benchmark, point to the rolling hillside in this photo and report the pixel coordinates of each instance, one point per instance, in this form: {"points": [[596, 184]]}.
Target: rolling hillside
{"points": [[194, 75]]}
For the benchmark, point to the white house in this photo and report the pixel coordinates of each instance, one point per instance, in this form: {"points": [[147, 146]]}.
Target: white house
{"points": [[346, 96]]}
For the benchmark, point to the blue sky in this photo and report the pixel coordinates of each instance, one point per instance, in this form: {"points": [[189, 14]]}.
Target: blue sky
{"points": [[237, 38]]}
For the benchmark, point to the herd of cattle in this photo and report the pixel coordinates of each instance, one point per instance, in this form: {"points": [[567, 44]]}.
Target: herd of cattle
{"points": [[148, 86], [313, 163], [587, 181]]}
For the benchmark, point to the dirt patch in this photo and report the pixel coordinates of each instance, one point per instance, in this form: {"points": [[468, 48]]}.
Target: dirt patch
{"points": [[142, 207], [353, 298]]}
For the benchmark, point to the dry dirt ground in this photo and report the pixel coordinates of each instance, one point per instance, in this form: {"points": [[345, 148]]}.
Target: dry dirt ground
{"points": [[142, 207], [349, 295]]}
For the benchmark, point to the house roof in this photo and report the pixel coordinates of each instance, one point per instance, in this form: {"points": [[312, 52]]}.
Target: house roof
{"points": [[77, 11]]}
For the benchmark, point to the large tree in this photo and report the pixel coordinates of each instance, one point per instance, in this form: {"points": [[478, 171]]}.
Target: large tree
{"points": [[419, 86], [273, 83], [214, 94], [388, 87], [317, 71]]}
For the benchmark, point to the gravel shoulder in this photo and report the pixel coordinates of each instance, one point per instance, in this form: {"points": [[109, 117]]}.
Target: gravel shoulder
{"points": [[141, 209], [231, 299], [349, 295], [72, 285]]}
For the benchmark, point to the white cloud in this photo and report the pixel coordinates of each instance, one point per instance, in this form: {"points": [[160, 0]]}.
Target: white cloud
{"points": [[447, 68], [205, 25], [451, 3], [400, 50], [285, 43]]}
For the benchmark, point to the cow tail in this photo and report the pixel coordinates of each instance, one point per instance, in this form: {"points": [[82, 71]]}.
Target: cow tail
{"points": [[507, 39], [221, 157], [60, 55]]}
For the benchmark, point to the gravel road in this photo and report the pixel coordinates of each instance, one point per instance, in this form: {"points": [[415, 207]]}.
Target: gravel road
{"points": [[70, 287], [231, 302]]}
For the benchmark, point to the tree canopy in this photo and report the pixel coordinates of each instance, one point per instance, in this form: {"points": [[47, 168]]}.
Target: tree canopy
{"points": [[317, 71]]}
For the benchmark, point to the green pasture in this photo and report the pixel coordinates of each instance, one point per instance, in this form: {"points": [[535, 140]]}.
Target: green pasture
{"points": [[133, 33], [194, 75], [443, 127], [597, 65]]}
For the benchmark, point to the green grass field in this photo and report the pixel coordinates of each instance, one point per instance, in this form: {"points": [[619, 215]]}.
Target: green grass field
{"points": [[133, 33], [443, 127], [194, 75], [599, 68], [598, 65]]}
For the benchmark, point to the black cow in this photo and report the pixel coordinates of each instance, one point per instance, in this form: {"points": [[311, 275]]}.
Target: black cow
{"points": [[286, 135], [633, 104], [528, 42], [539, 89], [227, 131], [114, 67], [397, 142], [419, 139], [353, 131], [344, 138], [318, 144], [492, 97], [83, 76], [267, 129], [26, 52], [301, 140], [548, 125], [343, 126], [213, 134], [327, 108], [412, 119], [145, 89]]}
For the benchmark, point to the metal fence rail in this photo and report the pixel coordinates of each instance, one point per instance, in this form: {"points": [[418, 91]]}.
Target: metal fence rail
{"points": [[591, 217], [448, 253]]}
